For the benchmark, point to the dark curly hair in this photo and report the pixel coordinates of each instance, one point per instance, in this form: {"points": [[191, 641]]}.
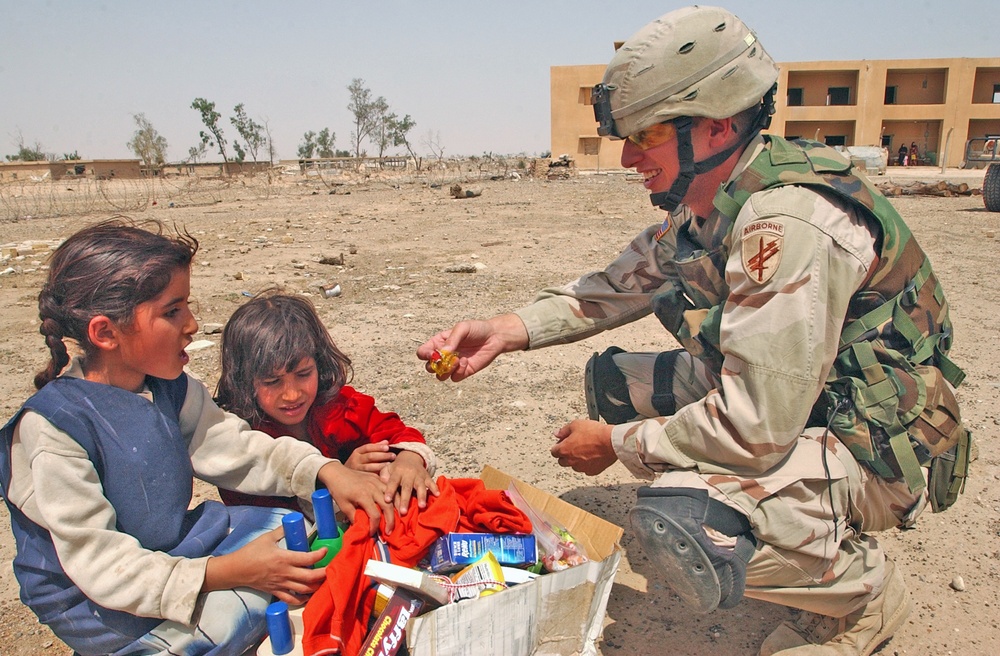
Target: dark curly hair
{"points": [[271, 333], [106, 269]]}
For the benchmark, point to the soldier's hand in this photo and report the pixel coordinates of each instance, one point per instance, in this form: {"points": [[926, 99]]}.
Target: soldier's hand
{"points": [[476, 343], [585, 446]]}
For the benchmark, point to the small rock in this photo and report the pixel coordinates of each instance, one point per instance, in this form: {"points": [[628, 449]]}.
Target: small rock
{"points": [[200, 344], [211, 328], [238, 275], [958, 584]]}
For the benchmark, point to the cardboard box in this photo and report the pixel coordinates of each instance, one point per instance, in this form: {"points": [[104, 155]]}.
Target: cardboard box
{"points": [[557, 613]]}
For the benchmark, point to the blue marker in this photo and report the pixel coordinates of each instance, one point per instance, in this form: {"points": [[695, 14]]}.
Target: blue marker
{"points": [[295, 532], [327, 532], [279, 627]]}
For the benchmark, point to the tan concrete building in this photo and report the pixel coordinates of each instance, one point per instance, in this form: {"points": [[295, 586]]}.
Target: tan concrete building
{"points": [[949, 108], [100, 169]]}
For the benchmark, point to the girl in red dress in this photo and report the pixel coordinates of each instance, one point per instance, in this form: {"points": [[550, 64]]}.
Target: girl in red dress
{"points": [[282, 372]]}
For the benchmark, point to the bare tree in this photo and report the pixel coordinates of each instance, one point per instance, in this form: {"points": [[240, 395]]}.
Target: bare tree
{"points": [[271, 153], [148, 144], [26, 153], [195, 153], [432, 140], [382, 126]]}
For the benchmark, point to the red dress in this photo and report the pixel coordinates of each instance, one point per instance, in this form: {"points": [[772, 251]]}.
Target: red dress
{"points": [[336, 428]]}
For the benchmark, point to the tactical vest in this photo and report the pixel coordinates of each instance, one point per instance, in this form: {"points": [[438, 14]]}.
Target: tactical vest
{"points": [[886, 397]]}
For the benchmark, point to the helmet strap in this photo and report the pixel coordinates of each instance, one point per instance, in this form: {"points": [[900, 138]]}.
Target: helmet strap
{"points": [[689, 169]]}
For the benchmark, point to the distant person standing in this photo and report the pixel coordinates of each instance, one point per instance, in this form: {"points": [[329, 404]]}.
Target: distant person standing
{"points": [[901, 158], [914, 154]]}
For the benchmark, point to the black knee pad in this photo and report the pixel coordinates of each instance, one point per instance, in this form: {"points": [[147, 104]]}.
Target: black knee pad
{"points": [[669, 524], [607, 389]]}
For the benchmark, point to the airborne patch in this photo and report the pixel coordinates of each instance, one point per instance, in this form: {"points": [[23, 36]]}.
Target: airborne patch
{"points": [[761, 244]]}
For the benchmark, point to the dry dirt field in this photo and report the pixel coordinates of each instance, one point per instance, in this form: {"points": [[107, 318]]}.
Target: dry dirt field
{"points": [[399, 237]]}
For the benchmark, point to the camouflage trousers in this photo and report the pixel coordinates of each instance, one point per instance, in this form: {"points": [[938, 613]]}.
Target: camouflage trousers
{"points": [[812, 514]]}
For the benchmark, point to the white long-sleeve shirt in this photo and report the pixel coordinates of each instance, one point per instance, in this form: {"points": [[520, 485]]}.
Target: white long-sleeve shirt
{"points": [[54, 483]]}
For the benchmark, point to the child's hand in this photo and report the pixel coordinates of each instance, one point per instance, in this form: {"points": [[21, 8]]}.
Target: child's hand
{"points": [[265, 566], [371, 457], [404, 476], [353, 489]]}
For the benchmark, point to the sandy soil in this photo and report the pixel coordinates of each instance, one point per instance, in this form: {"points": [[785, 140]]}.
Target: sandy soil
{"points": [[399, 237]]}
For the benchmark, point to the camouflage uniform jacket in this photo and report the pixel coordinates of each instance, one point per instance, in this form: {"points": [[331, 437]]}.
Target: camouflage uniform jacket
{"points": [[760, 290]]}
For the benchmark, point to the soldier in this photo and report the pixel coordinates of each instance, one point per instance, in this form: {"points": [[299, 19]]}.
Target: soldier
{"points": [[812, 403]]}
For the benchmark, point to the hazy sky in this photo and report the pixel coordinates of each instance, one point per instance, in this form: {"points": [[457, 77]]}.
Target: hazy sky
{"points": [[474, 73]]}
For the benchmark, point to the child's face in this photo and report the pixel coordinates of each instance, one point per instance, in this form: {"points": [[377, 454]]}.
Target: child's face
{"points": [[154, 344], [286, 396]]}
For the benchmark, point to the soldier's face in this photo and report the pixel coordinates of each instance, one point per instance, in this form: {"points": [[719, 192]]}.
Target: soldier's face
{"points": [[658, 164]]}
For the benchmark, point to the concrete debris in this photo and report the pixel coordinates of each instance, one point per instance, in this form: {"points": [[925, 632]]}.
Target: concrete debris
{"points": [[457, 191]]}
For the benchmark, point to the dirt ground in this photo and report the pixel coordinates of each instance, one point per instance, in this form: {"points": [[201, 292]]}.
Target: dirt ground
{"points": [[399, 237]]}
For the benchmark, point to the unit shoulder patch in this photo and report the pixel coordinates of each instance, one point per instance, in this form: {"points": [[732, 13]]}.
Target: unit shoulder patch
{"points": [[761, 245]]}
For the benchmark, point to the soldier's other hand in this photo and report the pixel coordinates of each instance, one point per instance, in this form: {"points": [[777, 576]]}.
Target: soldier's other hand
{"points": [[585, 446]]}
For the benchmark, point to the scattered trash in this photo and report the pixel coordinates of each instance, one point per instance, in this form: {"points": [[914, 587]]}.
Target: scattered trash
{"points": [[336, 260], [330, 291], [464, 267], [247, 294], [458, 192]]}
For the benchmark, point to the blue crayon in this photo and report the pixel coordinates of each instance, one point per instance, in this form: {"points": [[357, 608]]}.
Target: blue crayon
{"points": [[295, 532]]}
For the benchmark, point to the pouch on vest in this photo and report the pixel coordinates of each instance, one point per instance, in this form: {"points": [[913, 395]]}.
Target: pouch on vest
{"points": [[900, 418]]}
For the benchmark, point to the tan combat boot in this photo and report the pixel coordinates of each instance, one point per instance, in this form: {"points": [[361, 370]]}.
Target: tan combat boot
{"points": [[858, 634]]}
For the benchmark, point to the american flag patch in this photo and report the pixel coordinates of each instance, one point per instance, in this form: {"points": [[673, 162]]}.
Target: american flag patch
{"points": [[664, 229]]}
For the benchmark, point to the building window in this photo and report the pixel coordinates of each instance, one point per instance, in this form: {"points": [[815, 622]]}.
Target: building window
{"points": [[886, 141], [586, 95], [890, 95], [835, 140], [838, 96], [795, 97], [996, 93], [590, 145]]}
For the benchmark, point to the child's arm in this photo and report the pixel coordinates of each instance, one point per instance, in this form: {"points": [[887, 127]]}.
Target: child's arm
{"points": [[353, 490], [263, 565], [371, 457]]}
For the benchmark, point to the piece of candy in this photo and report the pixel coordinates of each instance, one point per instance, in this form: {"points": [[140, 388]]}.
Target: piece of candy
{"points": [[442, 363]]}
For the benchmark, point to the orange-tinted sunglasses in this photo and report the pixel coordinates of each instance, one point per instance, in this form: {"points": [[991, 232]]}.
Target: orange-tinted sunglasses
{"points": [[654, 135]]}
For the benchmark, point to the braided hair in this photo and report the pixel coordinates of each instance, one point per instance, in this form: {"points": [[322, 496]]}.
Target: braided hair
{"points": [[107, 269]]}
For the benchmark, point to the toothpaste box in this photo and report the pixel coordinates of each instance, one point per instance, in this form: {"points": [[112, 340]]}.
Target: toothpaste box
{"points": [[456, 550]]}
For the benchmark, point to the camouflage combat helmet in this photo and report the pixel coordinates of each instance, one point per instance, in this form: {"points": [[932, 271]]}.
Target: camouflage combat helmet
{"points": [[693, 62]]}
